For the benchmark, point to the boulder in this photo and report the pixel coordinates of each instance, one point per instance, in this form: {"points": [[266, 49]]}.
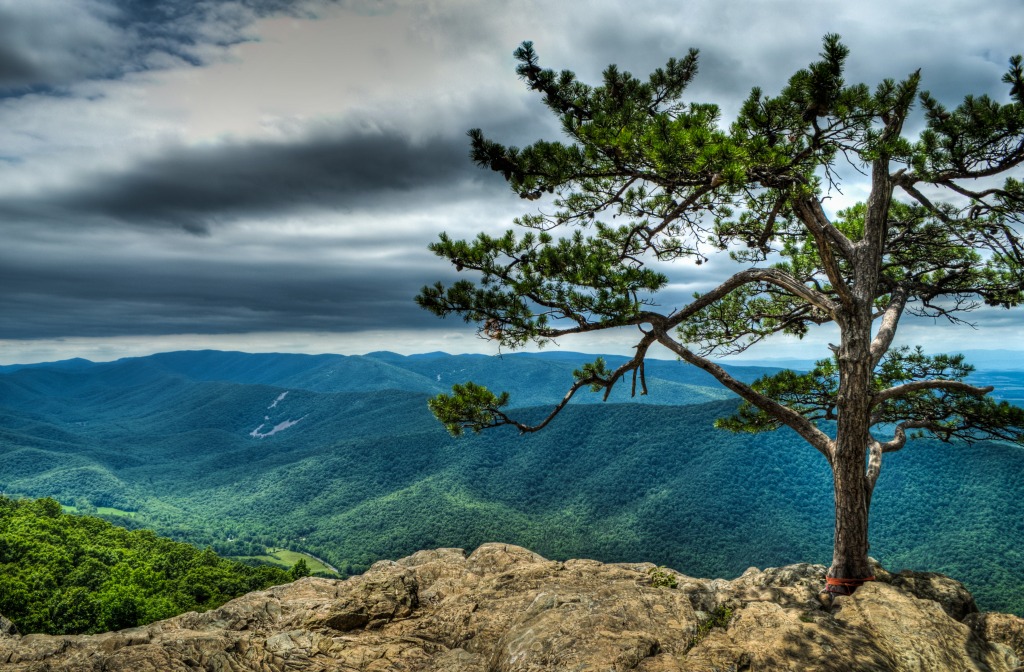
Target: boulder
{"points": [[7, 629], [1004, 629], [950, 594]]}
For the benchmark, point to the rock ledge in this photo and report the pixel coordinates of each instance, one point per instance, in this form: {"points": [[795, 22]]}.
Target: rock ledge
{"points": [[504, 609]]}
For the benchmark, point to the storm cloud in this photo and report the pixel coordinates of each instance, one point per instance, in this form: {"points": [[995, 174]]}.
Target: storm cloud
{"points": [[102, 297], [262, 166], [195, 188]]}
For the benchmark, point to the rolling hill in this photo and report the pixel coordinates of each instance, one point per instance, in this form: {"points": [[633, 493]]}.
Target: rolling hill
{"points": [[339, 456]]}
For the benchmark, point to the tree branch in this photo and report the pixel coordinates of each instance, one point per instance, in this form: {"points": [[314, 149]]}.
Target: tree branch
{"points": [[900, 434], [527, 429], [711, 184], [585, 327], [774, 276], [826, 235], [920, 385], [595, 381], [907, 184], [887, 329], [1013, 158], [798, 423]]}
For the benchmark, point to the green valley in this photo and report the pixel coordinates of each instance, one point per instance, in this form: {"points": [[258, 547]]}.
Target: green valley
{"points": [[340, 458]]}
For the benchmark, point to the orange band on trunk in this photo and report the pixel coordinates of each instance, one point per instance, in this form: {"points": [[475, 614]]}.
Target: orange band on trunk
{"points": [[832, 581]]}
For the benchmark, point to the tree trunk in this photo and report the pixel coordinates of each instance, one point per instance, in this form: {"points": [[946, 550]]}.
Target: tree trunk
{"points": [[850, 550], [849, 471]]}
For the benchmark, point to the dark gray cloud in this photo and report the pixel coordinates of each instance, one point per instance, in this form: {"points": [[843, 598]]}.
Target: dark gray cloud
{"points": [[15, 67], [46, 45], [196, 187], [101, 294], [50, 43], [60, 275]]}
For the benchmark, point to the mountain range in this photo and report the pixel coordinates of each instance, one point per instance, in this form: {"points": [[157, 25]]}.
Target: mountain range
{"points": [[338, 456]]}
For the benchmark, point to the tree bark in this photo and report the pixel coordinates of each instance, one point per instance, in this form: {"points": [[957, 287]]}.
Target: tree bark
{"points": [[853, 438], [850, 550]]}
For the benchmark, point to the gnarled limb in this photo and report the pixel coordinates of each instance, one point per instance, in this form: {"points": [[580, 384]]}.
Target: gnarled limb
{"points": [[826, 235], [875, 451], [900, 434], [473, 407], [887, 329], [773, 276], [968, 418], [922, 385], [786, 416]]}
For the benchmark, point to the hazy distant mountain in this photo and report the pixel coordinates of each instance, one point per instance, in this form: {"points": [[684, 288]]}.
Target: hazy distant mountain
{"points": [[531, 378], [76, 363]]}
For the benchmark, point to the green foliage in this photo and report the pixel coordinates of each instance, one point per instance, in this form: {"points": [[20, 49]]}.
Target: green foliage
{"points": [[719, 618], [662, 578], [945, 413], [469, 406], [592, 371], [813, 394], [929, 399], [65, 574]]}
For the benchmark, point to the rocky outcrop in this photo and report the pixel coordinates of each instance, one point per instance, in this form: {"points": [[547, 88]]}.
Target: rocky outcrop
{"points": [[505, 609], [999, 628]]}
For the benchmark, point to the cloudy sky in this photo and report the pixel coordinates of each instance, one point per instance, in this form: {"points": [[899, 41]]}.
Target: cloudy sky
{"points": [[265, 175]]}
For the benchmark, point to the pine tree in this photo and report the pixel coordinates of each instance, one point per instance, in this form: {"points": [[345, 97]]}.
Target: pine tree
{"points": [[938, 235]]}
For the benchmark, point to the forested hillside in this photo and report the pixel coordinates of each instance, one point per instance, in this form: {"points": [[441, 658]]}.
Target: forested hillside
{"points": [[65, 574], [330, 455]]}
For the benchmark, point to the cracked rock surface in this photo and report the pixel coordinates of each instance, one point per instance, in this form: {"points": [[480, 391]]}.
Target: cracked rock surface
{"points": [[506, 609]]}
